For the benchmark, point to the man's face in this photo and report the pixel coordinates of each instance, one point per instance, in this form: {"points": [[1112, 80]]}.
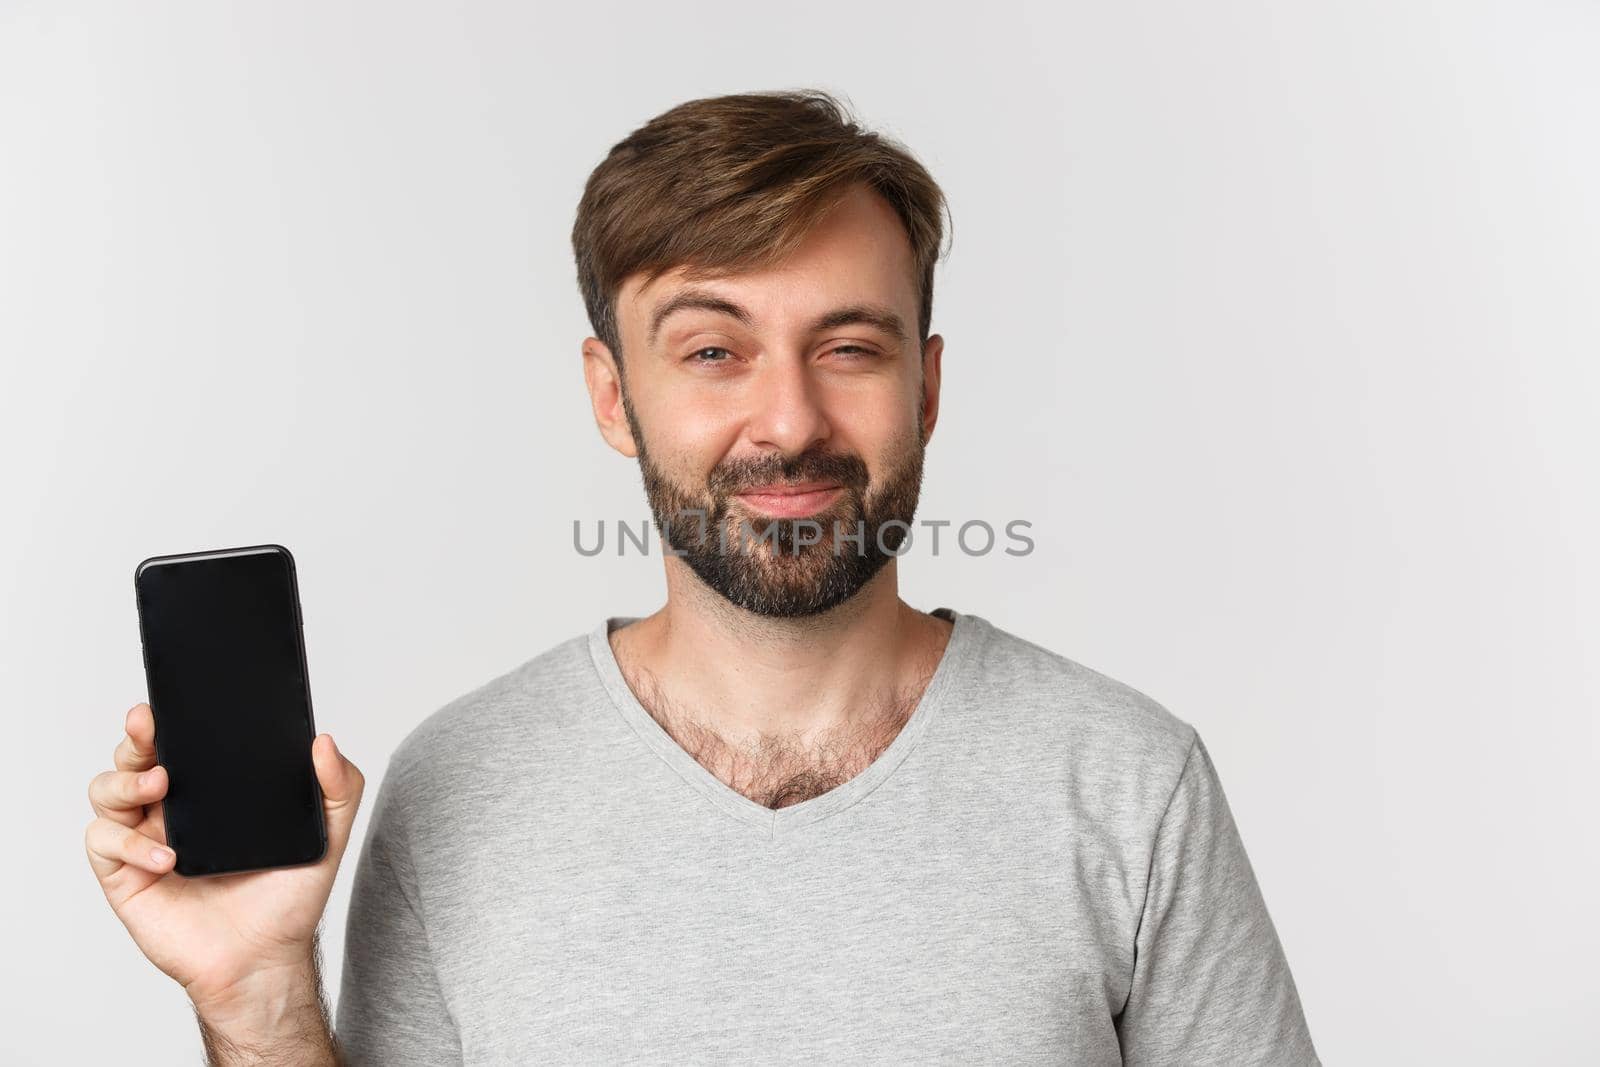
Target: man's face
{"points": [[805, 381]]}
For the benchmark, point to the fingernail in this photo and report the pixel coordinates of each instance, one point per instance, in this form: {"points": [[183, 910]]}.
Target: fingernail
{"points": [[148, 778], [160, 855]]}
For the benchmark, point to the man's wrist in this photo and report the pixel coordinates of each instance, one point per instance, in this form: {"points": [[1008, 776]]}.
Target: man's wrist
{"points": [[274, 1015]]}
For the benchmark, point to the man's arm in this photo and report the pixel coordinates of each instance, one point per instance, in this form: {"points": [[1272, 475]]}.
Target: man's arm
{"points": [[1210, 981], [283, 1019], [392, 1011]]}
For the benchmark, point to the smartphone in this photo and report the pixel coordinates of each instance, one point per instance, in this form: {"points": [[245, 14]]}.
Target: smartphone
{"points": [[225, 664]]}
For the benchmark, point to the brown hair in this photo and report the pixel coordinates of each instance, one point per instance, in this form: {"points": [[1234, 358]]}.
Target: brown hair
{"points": [[729, 183]]}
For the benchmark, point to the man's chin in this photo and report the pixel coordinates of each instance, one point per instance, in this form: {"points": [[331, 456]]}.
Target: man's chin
{"points": [[778, 583]]}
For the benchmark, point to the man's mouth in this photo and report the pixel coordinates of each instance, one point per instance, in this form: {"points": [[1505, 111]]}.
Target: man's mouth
{"points": [[786, 501]]}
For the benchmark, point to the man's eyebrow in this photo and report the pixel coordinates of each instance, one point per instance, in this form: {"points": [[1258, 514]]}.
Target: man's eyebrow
{"points": [[701, 299], [880, 318]]}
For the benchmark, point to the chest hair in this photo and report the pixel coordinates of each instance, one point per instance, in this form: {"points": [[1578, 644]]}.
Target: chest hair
{"points": [[778, 770]]}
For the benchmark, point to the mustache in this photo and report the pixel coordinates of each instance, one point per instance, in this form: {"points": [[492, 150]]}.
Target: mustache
{"points": [[732, 476]]}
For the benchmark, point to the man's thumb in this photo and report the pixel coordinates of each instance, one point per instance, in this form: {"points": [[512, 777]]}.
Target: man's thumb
{"points": [[341, 783]]}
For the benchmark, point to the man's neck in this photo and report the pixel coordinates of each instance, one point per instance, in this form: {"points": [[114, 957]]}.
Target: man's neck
{"points": [[749, 679]]}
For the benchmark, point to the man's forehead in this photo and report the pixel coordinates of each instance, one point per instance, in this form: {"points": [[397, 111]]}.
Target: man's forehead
{"points": [[640, 295], [758, 294]]}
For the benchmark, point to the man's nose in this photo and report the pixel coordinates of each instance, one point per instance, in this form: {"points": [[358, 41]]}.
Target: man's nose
{"points": [[786, 407]]}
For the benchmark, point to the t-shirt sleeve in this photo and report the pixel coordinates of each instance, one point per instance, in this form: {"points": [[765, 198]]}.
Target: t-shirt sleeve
{"points": [[1210, 981], [391, 1011]]}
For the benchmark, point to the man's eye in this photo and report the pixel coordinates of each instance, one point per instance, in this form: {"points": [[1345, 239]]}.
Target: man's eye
{"points": [[851, 352]]}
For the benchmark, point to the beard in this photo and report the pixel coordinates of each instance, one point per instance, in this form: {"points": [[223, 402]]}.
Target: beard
{"points": [[786, 567]]}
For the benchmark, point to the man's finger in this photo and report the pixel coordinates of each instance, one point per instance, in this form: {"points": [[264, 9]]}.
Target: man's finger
{"points": [[121, 796], [110, 845], [137, 750]]}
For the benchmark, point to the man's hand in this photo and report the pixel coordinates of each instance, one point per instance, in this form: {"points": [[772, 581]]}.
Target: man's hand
{"points": [[243, 946]]}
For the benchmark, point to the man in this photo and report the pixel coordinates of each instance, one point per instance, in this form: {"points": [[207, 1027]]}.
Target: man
{"points": [[786, 816]]}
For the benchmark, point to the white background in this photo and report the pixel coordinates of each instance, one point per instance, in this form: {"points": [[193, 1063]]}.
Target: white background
{"points": [[1278, 321]]}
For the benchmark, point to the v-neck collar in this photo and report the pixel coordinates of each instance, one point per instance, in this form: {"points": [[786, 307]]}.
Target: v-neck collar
{"points": [[779, 821]]}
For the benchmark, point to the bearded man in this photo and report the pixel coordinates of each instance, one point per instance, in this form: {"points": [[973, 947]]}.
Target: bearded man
{"points": [[786, 817]]}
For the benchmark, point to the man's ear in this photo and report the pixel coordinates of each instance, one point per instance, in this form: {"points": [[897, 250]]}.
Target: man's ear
{"points": [[932, 351], [604, 379]]}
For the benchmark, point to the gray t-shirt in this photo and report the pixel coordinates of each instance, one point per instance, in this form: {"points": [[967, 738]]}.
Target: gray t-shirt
{"points": [[1041, 867]]}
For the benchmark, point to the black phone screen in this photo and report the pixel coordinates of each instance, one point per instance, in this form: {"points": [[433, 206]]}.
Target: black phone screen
{"points": [[225, 665]]}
